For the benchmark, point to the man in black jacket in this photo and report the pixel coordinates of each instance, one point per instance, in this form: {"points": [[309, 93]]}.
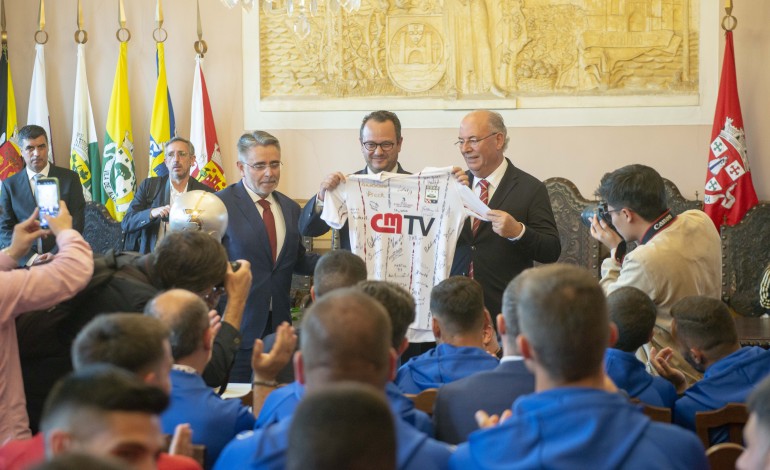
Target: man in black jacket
{"points": [[146, 221]]}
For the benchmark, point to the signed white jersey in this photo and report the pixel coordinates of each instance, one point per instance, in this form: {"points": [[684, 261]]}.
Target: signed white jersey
{"points": [[405, 227]]}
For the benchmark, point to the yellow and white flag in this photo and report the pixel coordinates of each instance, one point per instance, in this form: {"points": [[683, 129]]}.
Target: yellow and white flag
{"points": [[10, 156], [84, 150], [162, 125], [119, 176]]}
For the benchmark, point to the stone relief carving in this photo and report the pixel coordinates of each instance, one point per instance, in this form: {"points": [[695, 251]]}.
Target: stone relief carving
{"points": [[483, 50]]}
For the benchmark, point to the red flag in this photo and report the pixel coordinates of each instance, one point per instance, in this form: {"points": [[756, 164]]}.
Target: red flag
{"points": [[729, 189]]}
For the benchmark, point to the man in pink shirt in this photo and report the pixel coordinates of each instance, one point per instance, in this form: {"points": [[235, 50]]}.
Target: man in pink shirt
{"points": [[36, 288]]}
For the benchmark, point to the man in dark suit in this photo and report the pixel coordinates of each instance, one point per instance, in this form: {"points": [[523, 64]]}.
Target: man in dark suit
{"points": [[521, 227], [146, 221], [262, 229], [457, 402], [380, 138], [18, 197]]}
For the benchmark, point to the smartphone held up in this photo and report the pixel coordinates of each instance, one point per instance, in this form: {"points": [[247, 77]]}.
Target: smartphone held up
{"points": [[47, 194]]}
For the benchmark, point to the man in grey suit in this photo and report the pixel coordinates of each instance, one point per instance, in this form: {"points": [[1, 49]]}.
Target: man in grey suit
{"points": [[262, 229], [147, 217], [18, 194], [457, 402]]}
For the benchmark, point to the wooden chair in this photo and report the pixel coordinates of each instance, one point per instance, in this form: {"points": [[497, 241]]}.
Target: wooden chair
{"points": [[732, 415], [424, 400], [723, 456], [657, 413]]}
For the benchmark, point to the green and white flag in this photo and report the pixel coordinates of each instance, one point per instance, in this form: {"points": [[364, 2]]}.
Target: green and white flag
{"points": [[84, 151]]}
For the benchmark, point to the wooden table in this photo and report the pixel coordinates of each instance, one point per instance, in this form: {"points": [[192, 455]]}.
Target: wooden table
{"points": [[753, 331]]}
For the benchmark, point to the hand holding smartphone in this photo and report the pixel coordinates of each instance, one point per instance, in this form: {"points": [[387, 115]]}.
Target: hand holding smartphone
{"points": [[47, 192]]}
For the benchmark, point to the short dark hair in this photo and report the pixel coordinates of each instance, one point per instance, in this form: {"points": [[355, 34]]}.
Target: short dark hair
{"points": [[31, 132], [637, 187], [704, 323], [344, 426], [190, 146], [187, 319], [381, 116], [81, 461], [563, 314], [256, 138], [458, 303], [397, 302], [195, 261], [759, 404], [346, 334], [77, 402], [634, 313], [336, 269], [130, 341]]}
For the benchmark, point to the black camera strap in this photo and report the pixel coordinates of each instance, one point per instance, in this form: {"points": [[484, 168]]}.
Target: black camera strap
{"points": [[660, 224]]}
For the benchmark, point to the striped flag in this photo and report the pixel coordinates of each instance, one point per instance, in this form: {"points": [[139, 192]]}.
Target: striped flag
{"points": [[208, 160], [84, 151], [10, 157], [119, 176], [162, 125], [38, 101]]}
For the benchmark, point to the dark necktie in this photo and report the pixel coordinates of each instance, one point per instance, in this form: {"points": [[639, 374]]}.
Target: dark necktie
{"points": [[484, 196], [267, 217]]}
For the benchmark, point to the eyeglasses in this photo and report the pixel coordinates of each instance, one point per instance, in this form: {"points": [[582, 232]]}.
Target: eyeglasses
{"points": [[179, 155], [372, 146], [473, 141], [263, 166]]}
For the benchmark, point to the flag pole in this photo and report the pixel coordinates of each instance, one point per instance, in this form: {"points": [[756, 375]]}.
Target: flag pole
{"points": [[200, 45], [159, 34], [122, 23], [41, 25], [81, 35], [729, 22]]}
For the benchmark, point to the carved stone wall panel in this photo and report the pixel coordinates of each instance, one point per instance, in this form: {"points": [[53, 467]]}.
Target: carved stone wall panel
{"points": [[483, 51]]}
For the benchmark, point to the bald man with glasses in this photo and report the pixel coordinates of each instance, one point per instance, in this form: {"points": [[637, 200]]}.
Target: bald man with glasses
{"points": [[521, 227]]}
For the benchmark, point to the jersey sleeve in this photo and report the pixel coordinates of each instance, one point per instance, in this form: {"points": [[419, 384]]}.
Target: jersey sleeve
{"points": [[335, 211]]}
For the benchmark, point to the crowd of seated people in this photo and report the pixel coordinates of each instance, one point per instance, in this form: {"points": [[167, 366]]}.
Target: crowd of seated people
{"points": [[561, 393]]}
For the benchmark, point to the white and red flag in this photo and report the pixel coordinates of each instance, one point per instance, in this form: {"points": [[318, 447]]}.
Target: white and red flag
{"points": [[729, 189], [208, 160]]}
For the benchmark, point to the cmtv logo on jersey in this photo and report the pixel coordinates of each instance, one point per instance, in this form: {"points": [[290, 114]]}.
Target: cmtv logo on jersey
{"points": [[394, 223]]}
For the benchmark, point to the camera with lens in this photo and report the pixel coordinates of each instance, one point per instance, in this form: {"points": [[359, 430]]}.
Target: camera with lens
{"points": [[600, 210]]}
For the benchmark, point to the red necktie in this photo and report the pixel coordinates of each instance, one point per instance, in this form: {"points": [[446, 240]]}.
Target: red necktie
{"points": [[269, 220], [484, 196]]}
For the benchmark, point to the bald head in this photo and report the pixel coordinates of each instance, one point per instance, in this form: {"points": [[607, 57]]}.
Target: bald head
{"points": [[346, 336], [186, 315]]}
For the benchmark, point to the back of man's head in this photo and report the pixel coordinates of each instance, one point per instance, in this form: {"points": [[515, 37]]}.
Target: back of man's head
{"points": [[634, 313], [186, 316], [397, 302], [637, 187], [346, 335], [706, 324], [458, 304], [563, 315], [130, 341], [756, 434], [342, 426], [337, 269], [103, 410], [195, 261]]}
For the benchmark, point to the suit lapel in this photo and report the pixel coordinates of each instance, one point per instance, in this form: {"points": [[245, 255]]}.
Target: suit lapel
{"points": [[280, 200], [507, 183]]}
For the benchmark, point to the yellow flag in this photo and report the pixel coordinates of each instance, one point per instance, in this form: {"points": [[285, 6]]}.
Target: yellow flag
{"points": [[162, 126], [119, 176]]}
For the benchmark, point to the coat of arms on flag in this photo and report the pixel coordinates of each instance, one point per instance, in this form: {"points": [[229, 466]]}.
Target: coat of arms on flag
{"points": [[729, 191]]}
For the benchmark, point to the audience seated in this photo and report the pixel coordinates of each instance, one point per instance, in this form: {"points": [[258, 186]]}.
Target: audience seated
{"points": [[756, 434], [573, 420], [214, 421], [400, 307], [38, 287], [634, 315], [335, 269], [345, 337], [344, 426], [457, 306], [705, 335], [100, 410], [458, 402]]}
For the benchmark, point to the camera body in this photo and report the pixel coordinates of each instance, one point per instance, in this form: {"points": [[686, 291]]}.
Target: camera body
{"points": [[600, 210]]}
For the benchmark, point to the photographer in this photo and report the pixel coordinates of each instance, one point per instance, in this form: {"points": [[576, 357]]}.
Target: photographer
{"points": [[677, 255]]}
